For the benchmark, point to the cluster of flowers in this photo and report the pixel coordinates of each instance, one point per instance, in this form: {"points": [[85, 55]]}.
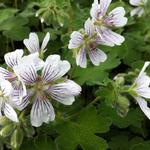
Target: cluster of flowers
{"points": [[31, 80], [98, 30]]}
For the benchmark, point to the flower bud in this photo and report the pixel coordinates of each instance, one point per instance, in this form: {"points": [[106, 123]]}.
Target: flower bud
{"points": [[7, 130], [119, 80], [122, 105], [4, 121], [17, 138]]}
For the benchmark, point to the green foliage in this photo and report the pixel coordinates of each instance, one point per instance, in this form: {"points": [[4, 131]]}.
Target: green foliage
{"points": [[114, 122], [82, 132]]}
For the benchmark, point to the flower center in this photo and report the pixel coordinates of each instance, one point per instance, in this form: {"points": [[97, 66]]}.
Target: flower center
{"points": [[39, 85]]}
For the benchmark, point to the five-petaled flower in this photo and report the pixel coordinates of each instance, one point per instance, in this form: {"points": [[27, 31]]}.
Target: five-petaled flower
{"points": [[104, 22], [6, 90], [142, 89], [43, 85], [85, 42], [139, 10]]}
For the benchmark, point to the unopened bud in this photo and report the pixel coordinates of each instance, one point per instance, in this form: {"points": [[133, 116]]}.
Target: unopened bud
{"points": [[122, 105], [119, 80], [17, 138], [3, 121], [6, 130]]}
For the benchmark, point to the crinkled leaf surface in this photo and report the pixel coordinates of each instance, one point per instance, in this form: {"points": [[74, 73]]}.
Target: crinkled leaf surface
{"points": [[82, 132]]}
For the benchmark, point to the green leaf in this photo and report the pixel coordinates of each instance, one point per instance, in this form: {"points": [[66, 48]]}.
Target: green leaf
{"points": [[82, 131], [17, 34], [95, 74], [134, 117], [44, 143], [122, 142], [7, 13]]}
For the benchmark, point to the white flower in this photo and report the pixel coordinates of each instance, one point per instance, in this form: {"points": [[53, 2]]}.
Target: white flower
{"points": [[86, 44], [32, 43], [102, 21], [12, 59], [45, 85], [5, 100], [139, 10], [143, 90]]}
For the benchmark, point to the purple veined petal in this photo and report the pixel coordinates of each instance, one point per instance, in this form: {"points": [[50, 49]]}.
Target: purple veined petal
{"points": [[97, 56], [95, 11], [21, 104], [5, 87], [110, 36], [26, 72], [104, 4], [76, 40], [116, 18], [136, 2], [32, 43], [81, 59], [42, 111], [101, 41], [54, 68], [144, 106], [139, 11], [20, 87], [45, 41], [64, 92], [10, 113], [13, 58], [6, 74], [89, 27]]}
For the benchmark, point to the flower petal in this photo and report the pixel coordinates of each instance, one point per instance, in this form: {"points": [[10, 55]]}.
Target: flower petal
{"points": [[104, 4], [19, 86], [95, 10], [139, 11], [143, 105], [136, 2], [45, 41], [97, 56], [26, 72], [10, 112], [54, 68], [109, 36], [89, 27], [42, 111], [13, 58], [64, 92], [34, 58], [6, 87], [116, 17], [21, 104], [6, 74], [81, 58], [146, 64], [76, 40], [144, 92], [32, 43], [142, 81]]}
